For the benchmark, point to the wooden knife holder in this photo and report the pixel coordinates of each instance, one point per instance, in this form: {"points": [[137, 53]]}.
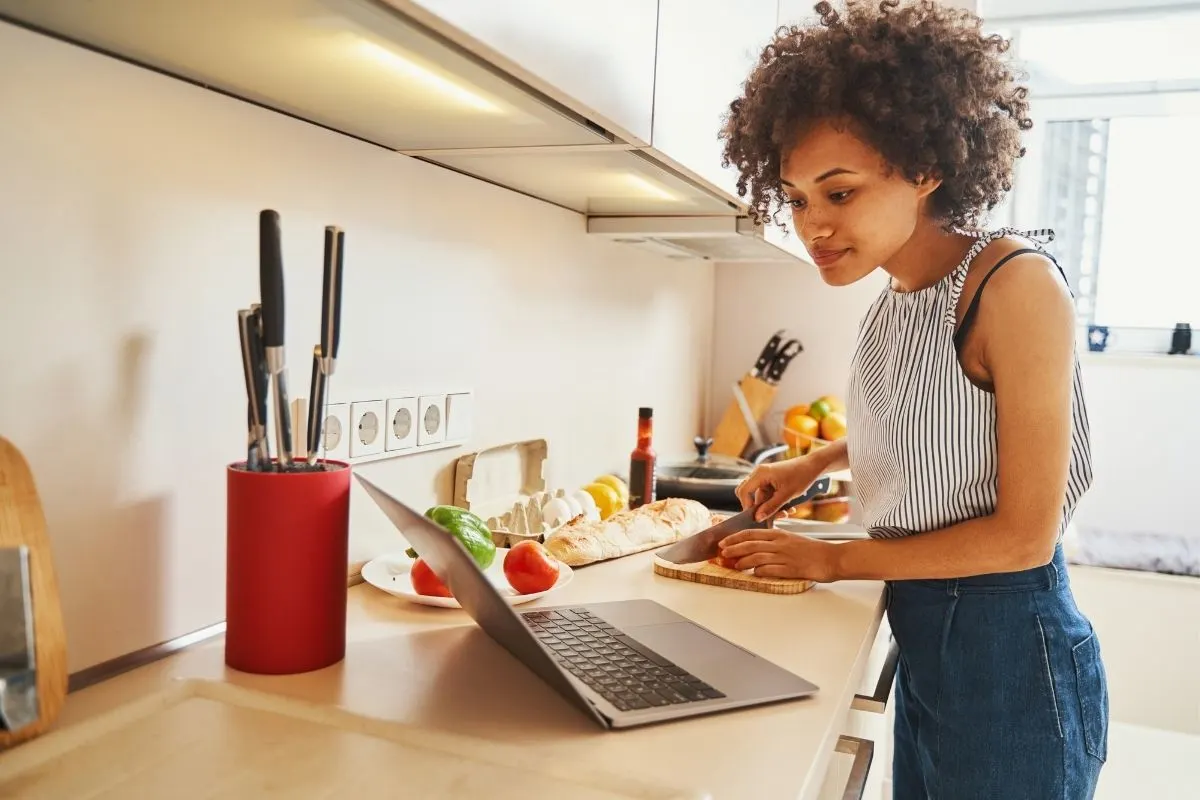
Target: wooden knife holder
{"points": [[732, 435]]}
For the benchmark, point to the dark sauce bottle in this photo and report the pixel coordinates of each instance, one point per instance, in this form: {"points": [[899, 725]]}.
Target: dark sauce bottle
{"points": [[642, 478]]}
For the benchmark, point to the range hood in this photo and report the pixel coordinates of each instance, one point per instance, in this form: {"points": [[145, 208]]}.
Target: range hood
{"points": [[394, 74], [724, 239]]}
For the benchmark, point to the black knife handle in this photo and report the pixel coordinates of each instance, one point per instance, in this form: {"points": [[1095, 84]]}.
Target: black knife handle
{"points": [[331, 292], [768, 353], [783, 358], [270, 277], [820, 486]]}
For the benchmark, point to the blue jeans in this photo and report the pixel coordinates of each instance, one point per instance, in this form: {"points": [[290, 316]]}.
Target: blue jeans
{"points": [[1000, 691]]}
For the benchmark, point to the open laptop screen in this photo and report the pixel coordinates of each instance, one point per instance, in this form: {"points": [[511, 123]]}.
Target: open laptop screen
{"points": [[474, 592]]}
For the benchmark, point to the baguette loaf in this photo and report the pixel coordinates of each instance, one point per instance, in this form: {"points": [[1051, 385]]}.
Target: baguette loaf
{"points": [[626, 532]]}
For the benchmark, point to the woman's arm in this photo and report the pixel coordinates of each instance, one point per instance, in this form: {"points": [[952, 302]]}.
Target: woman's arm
{"points": [[1026, 326], [832, 457]]}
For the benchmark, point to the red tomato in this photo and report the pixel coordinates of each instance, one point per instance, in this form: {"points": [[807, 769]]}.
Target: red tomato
{"points": [[722, 561], [425, 581], [530, 568]]}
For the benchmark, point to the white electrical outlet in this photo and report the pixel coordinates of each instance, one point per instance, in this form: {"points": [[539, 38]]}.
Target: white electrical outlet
{"points": [[336, 432], [431, 419], [401, 422], [367, 428], [459, 407]]}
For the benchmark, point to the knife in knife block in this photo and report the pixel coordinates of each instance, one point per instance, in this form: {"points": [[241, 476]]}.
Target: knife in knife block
{"points": [[732, 434], [33, 647]]}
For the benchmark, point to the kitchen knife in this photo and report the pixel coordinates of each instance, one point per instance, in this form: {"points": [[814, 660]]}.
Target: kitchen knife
{"points": [[261, 384], [786, 353], [703, 545], [253, 423], [270, 278], [316, 406], [768, 354], [325, 356]]}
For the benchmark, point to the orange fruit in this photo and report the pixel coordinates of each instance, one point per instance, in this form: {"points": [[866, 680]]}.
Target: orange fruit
{"points": [[819, 409], [800, 430], [833, 426], [799, 410]]}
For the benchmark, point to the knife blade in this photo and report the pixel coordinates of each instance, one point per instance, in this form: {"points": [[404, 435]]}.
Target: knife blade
{"points": [[261, 384], [325, 355], [786, 353], [768, 353], [270, 277], [703, 545], [253, 421]]}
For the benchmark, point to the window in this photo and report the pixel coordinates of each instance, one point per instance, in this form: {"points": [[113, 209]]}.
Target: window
{"points": [[1114, 165]]}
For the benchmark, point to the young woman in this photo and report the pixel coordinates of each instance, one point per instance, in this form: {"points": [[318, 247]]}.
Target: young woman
{"points": [[889, 133]]}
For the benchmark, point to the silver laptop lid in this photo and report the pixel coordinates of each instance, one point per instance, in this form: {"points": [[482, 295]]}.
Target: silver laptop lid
{"points": [[475, 593]]}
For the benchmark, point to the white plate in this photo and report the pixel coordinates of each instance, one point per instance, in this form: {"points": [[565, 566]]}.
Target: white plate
{"points": [[390, 572]]}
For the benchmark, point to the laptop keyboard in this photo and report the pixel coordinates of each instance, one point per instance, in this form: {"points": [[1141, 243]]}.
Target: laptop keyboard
{"points": [[624, 672]]}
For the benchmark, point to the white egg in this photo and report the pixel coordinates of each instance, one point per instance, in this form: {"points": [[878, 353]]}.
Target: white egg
{"points": [[556, 512], [586, 502], [573, 504]]}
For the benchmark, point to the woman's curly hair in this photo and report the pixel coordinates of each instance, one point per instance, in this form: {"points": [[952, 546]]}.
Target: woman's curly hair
{"points": [[920, 83]]}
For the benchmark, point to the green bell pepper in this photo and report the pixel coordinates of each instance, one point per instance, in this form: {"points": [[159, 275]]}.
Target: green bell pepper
{"points": [[468, 528]]}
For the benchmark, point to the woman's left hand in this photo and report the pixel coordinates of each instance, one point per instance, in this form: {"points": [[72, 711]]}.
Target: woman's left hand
{"points": [[774, 553]]}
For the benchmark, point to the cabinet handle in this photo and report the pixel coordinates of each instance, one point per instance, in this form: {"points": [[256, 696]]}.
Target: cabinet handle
{"points": [[863, 751], [877, 702]]}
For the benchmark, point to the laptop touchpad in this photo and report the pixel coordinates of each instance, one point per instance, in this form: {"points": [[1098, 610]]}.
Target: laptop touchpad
{"points": [[690, 646]]}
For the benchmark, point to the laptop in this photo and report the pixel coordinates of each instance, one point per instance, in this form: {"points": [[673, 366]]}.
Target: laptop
{"points": [[624, 663]]}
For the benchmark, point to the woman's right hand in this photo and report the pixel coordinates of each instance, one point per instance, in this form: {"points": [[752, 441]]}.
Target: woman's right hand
{"points": [[771, 486]]}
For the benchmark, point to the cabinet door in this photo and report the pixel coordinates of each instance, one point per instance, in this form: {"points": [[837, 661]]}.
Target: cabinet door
{"points": [[706, 49], [601, 54]]}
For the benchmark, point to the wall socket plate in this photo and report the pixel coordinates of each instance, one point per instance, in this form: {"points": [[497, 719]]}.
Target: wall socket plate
{"points": [[459, 416], [401, 421], [367, 428], [336, 431], [431, 419], [436, 421]]}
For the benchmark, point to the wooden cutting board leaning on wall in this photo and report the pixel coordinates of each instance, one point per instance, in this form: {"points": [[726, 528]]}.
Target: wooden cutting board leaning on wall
{"points": [[22, 523]]}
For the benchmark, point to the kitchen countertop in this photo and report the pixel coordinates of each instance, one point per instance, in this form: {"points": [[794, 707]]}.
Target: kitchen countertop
{"points": [[428, 678]]}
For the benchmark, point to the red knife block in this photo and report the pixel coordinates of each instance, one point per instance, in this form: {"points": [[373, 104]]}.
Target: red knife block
{"points": [[287, 542]]}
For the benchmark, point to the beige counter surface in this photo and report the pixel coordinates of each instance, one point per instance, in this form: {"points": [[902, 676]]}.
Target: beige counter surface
{"points": [[427, 680]]}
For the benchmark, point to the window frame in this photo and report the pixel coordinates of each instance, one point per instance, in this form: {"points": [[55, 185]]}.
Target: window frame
{"points": [[1025, 200]]}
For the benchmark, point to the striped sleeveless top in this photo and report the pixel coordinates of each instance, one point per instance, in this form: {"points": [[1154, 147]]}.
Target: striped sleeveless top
{"points": [[921, 436]]}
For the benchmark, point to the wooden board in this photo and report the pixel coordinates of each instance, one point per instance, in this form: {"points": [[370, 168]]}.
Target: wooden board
{"points": [[731, 434], [713, 575], [23, 523]]}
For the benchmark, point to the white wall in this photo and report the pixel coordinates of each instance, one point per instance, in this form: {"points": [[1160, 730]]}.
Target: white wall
{"points": [[128, 215], [754, 301]]}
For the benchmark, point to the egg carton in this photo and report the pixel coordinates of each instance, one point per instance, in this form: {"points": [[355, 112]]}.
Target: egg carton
{"points": [[505, 485], [541, 515]]}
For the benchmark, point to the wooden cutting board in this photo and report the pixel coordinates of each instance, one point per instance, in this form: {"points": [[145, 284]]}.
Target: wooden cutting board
{"points": [[713, 575], [23, 523]]}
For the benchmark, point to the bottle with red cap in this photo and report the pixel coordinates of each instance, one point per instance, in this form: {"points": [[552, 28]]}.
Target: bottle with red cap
{"points": [[642, 477]]}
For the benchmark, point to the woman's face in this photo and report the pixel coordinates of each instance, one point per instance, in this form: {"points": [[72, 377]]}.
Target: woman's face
{"points": [[851, 212]]}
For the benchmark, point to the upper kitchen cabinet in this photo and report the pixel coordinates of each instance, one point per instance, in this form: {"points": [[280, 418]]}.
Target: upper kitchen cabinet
{"points": [[706, 49], [597, 58], [356, 66]]}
